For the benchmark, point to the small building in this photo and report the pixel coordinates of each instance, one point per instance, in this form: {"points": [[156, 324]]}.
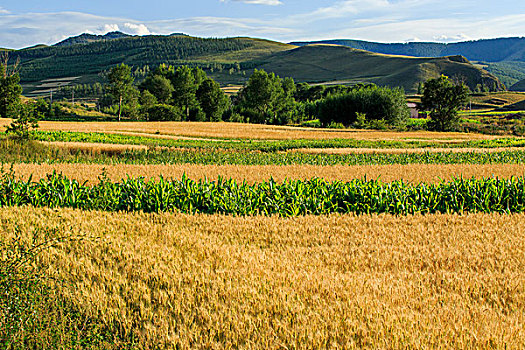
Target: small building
{"points": [[414, 111]]}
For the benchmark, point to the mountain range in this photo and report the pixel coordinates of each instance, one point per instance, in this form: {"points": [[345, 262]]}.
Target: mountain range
{"points": [[230, 60]]}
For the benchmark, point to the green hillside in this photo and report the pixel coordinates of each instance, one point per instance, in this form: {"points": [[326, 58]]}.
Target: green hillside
{"points": [[487, 50], [338, 64], [81, 59], [519, 86], [62, 61]]}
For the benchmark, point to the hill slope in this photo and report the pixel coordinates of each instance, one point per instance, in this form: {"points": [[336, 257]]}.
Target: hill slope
{"points": [[519, 86], [489, 50], [337, 63], [69, 60], [89, 38]]}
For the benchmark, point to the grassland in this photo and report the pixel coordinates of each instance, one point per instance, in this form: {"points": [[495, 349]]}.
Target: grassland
{"points": [[131, 279], [200, 281]]}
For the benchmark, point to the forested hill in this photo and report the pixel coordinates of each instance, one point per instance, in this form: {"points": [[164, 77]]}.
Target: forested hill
{"points": [[137, 51], [489, 50], [519, 86], [340, 64], [234, 58], [89, 38]]}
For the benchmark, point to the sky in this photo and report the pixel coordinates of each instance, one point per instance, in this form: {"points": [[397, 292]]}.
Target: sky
{"points": [[25, 23]]}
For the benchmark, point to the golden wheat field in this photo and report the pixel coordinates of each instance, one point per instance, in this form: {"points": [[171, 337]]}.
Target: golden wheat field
{"points": [[219, 282], [248, 131], [415, 173]]}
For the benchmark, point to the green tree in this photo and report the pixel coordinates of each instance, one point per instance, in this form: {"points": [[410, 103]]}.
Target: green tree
{"points": [[25, 121], [212, 100], [259, 98], [159, 86], [121, 85], [185, 88], [377, 103], [443, 99], [147, 99], [10, 89]]}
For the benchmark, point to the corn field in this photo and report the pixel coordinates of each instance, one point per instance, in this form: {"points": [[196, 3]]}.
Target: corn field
{"points": [[289, 198]]}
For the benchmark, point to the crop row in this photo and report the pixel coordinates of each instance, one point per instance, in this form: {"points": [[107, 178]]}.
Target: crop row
{"points": [[289, 198], [264, 145], [38, 154]]}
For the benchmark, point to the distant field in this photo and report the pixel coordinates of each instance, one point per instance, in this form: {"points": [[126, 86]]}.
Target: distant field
{"points": [[249, 131]]}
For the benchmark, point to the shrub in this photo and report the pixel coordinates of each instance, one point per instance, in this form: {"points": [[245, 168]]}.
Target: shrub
{"points": [[376, 102]]}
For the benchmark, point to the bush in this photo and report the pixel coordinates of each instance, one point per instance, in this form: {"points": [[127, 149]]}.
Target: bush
{"points": [[376, 102]]}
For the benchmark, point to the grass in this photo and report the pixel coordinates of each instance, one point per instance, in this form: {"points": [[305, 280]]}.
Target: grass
{"points": [[210, 281]]}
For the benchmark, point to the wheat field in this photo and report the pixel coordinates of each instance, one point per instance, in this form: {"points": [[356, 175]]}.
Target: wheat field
{"points": [[248, 131], [415, 173], [216, 282]]}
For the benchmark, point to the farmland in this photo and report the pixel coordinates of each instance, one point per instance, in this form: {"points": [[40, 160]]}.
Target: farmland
{"points": [[217, 235]]}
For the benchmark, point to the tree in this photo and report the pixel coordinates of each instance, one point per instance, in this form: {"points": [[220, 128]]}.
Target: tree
{"points": [[259, 98], [379, 104], [443, 99], [212, 100], [159, 86], [147, 99], [26, 120], [120, 85], [185, 87], [10, 89]]}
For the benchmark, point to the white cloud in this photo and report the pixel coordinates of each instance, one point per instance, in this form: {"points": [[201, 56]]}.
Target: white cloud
{"points": [[374, 20], [454, 38], [108, 28], [3, 11], [136, 29], [259, 2]]}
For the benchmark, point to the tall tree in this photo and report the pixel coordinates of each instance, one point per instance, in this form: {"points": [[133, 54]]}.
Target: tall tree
{"points": [[185, 88], [260, 95], [121, 85], [10, 89], [443, 99], [212, 100]]}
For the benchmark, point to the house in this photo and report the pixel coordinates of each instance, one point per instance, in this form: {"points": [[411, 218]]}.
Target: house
{"points": [[414, 111]]}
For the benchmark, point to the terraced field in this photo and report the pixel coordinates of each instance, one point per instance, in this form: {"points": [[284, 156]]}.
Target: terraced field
{"points": [[321, 239]]}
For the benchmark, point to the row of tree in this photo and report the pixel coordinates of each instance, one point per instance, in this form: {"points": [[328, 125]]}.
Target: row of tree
{"points": [[184, 93]]}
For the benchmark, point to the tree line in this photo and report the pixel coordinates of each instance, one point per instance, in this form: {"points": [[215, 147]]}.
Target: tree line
{"points": [[183, 93]]}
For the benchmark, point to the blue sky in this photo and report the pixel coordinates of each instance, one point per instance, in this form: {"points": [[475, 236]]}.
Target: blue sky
{"points": [[28, 22]]}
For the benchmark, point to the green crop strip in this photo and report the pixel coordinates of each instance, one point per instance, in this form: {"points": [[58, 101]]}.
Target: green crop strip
{"points": [[265, 145], [38, 154], [290, 198]]}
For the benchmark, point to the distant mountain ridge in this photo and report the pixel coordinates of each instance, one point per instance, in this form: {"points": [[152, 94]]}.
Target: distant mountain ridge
{"points": [[87, 38], [486, 50]]}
